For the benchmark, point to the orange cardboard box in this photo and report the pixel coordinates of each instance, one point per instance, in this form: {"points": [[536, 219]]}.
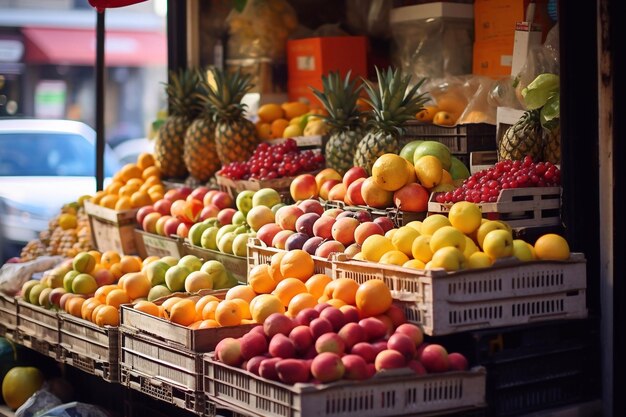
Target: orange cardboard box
{"points": [[313, 57], [494, 57], [497, 18], [299, 90]]}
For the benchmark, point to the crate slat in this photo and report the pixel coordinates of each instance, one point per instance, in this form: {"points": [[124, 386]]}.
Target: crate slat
{"points": [[38, 323], [111, 229], [8, 312], [150, 244]]}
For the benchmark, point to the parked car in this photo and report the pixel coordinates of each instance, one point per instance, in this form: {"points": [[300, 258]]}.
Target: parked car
{"points": [[44, 164], [128, 151]]}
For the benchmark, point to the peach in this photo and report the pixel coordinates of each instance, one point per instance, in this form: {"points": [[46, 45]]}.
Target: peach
{"points": [[435, 358], [374, 196], [412, 331], [198, 193], [259, 330], [311, 245], [267, 368], [192, 210], [326, 187], [417, 367], [356, 367], [397, 316], [374, 328], [365, 350], [420, 349], [343, 230], [365, 230], [333, 212], [338, 192], [412, 197], [222, 200], [334, 316], [281, 347], [458, 362], [330, 246], [291, 371], [323, 227], [326, 175], [296, 241], [389, 359], [385, 223], [302, 338], [252, 365], [321, 306], [267, 232], [387, 322], [350, 313], [303, 187], [163, 206], [183, 229], [174, 194], [253, 344], [351, 334], [143, 212], [306, 316], [259, 216], [330, 342], [225, 215], [287, 216], [150, 221], [104, 277], [320, 326], [228, 351], [311, 206], [371, 370], [354, 192], [171, 226], [327, 367], [208, 211], [160, 224], [280, 238], [177, 209], [353, 174], [208, 196], [403, 344], [379, 346], [277, 323], [305, 223]]}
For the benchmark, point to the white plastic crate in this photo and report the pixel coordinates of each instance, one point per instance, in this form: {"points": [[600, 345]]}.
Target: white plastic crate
{"points": [[89, 347], [508, 293], [396, 394], [259, 254]]}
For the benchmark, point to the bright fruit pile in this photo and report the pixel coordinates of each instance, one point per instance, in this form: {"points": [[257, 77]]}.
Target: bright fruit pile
{"points": [[289, 120], [133, 186], [274, 161], [485, 185]]}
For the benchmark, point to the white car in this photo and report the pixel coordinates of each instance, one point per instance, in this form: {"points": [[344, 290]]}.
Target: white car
{"points": [[44, 164], [128, 151]]}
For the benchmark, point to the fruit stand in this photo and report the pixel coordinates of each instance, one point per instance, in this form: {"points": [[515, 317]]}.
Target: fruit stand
{"points": [[328, 257]]}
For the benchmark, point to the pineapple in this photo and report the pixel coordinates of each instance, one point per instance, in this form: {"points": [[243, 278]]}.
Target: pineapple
{"points": [[552, 149], [523, 138], [344, 118], [392, 106], [200, 152], [235, 136], [169, 142]]}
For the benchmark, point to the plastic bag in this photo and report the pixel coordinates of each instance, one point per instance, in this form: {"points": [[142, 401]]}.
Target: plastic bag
{"points": [[369, 17], [14, 275], [38, 403], [74, 409], [260, 30]]}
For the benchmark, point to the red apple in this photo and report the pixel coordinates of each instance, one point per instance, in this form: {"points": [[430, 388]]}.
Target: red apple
{"points": [[163, 206], [222, 200], [458, 362], [208, 211], [327, 367], [311, 206], [389, 359], [253, 344], [143, 212], [225, 215], [185, 191], [323, 227], [356, 367], [354, 192], [198, 193], [435, 358], [353, 174], [171, 226], [174, 194], [267, 232]]}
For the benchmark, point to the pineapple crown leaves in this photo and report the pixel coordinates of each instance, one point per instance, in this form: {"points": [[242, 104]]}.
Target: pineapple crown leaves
{"points": [[225, 92], [393, 102], [181, 92], [340, 100], [543, 94]]}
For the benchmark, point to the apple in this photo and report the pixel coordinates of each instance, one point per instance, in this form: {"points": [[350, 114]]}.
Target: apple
{"points": [[326, 187], [267, 197], [353, 174], [403, 344], [303, 187], [327, 367], [448, 258], [480, 260], [498, 244], [323, 227], [225, 216], [365, 230], [206, 200], [338, 192], [171, 225], [485, 228], [458, 362], [352, 250], [389, 359], [291, 371], [330, 342], [222, 200], [160, 224], [267, 368], [208, 239], [143, 212], [311, 206], [174, 194], [385, 223], [412, 198], [287, 216], [465, 216], [435, 358], [228, 351], [198, 193], [150, 221], [244, 201], [354, 192], [208, 211], [447, 236], [163, 206], [267, 232], [522, 250]]}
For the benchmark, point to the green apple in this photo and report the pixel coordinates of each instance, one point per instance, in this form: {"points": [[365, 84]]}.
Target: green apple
{"points": [[244, 201], [212, 221], [28, 286], [191, 262], [225, 243], [267, 197], [223, 230], [158, 291], [240, 244], [238, 218], [409, 149], [175, 278], [275, 207], [208, 240], [217, 272], [229, 282], [470, 247], [487, 227], [522, 250], [170, 260], [436, 149], [498, 244], [244, 228], [447, 236], [68, 278], [155, 271], [195, 233], [35, 292], [458, 170], [448, 258]]}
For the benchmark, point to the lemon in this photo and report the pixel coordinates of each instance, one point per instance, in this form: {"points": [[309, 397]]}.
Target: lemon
{"points": [[375, 246], [390, 172], [552, 247], [429, 171], [403, 239], [394, 257], [421, 248], [465, 216], [433, 222], [479, 260], [415, 224], [414, 264]]}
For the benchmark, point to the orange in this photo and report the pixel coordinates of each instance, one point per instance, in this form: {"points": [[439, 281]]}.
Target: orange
{"points": [[277, 128], [117, 297], [228, 313], [167, 304], [114, 187], [243, 292], [156, 188], [109, 258], [97, 197], [345, 290], [145, 160], [107, 316], [74, 306], [96, 255], [245, 308], [101, 293], [129, 171], [148, 307], [140, 199], [323, 299], [151, 182], [316, 284], [260, 280], [373, 298], [335, 302], [299, 302], [123, 203], [263, 130], [130, 263], [86, 310], [195, 325], [202, 302], [294, 109], [330, 288], [552, 247], [208, 312], [94, 313], [183, 312], [262, 306], [135, 182], [427, 113], [136, 285], [128, 190], [109, 201], [208, 324], [116, 270], [151, 171], [155, 196], [297, 264], [275, 266], [270, 112], [289, 288]]}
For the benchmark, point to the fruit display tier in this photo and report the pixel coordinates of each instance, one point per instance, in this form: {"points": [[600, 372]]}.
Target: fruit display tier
{"points": [[8, 311], [519, 207], [508, 293], [395, 393], [150, 244]]}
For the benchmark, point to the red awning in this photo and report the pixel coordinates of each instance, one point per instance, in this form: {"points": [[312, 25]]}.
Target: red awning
{"points": [[103, 4], [78, 47]]}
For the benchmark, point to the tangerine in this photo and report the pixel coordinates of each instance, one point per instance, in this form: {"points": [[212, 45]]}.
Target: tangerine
{"points": [[289, 288], [183, 312], [345, 290], [208, 312], [243, 292], [117, 297], [260, 280], [373, 297], [130, 263], [297, 264], [245, 308], [148, 307], [275, 266], [145, 160], [299, 302], [109, 258], [316, 284], [107, 316], [228, 313]]}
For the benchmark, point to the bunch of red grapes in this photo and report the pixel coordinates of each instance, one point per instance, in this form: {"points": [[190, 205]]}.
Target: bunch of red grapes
{"points": [[484, 186], [274, 161]]}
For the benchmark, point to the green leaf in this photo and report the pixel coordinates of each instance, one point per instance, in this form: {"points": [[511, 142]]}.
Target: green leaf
{"points": [[537, 93], [240, 5], [551, 110]]}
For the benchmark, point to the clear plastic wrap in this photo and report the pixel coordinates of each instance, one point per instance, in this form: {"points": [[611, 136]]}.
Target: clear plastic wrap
{"points": [[38, 403], [14, 275]]}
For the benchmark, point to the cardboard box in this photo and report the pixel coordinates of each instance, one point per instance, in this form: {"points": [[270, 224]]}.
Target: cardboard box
{"points": [[313, 57], [497, 18], [300, 90], [527, 36], [494, 57]]}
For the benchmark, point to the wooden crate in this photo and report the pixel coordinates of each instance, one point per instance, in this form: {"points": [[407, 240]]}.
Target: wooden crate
{"points": [[482, 160], [460, 139], [111, 229], [236, 265], [38, 328], [150, 244], [8, 316], [519, 207]]}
